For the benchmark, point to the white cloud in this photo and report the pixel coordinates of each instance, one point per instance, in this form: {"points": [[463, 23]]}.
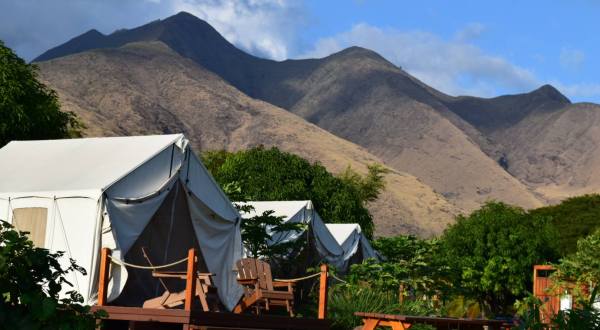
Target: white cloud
{"points": [[571, 59], [261, 27], [470, 32], [580, 90], [452, 66]]}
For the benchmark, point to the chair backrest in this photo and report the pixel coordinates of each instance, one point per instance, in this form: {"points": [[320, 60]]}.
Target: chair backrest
{"points": [[249, 268]]}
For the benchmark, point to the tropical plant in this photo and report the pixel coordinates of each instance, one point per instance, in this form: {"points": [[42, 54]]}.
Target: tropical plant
{"points": [[28, 108], [491, 252], [31, 280], [528, 311], [345, 300], [577, 319]]}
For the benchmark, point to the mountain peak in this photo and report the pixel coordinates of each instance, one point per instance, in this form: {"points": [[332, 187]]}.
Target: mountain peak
{"points": [[183, 15], [92, 33], [551, 93]]}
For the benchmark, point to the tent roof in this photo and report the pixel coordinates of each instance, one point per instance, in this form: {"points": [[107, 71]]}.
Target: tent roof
{"points": [[342, 231], [75, 164], [286, 209]]}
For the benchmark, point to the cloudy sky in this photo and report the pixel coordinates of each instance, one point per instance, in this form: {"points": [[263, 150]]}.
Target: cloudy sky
{"points": [[483, 48]]}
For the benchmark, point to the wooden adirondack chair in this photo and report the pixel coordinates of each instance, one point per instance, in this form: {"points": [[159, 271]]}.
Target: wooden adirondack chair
{"points": [[205, 290], [259, 287]]}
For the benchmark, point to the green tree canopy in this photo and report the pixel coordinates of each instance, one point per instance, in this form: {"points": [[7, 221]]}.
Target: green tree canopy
{"points": [[492, 251], [574, 218], [29, 109], [270, 174]]}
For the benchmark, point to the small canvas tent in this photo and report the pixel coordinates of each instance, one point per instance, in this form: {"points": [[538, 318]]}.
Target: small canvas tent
{"points": [[335, 247], [354, 243], [299, 212], [124, 193]]}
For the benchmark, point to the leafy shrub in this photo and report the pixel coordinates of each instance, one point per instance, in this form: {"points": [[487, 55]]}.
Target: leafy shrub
{"points": [[577, 319], [30, 282], [345, 300]]}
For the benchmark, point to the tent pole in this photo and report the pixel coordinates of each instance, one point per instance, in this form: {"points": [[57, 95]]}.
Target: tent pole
{"points": [[190, 280], [104, 271], [323, 292]]}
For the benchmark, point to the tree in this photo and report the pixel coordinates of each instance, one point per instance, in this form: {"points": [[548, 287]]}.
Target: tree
{"points": [[28, 108], [30, 282], [270, 174], [491, 253], [574, 218]]}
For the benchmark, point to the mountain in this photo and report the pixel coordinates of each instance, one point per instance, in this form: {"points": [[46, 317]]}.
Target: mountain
{"points": [[527, 149], [547, 142], [146, 87], [355, 94]]}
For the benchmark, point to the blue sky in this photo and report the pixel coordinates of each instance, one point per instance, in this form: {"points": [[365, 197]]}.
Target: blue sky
{"points": [[482, 48]]}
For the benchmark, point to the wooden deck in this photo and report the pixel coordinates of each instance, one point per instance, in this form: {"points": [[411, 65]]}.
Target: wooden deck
{"points": [[145, 318]]}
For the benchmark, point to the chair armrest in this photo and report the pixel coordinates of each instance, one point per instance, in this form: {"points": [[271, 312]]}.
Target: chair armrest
{"points": [[247, 281], [282, 283]]}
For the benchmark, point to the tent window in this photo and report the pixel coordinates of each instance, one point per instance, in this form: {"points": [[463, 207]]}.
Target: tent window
{"points": [[32, 220]]}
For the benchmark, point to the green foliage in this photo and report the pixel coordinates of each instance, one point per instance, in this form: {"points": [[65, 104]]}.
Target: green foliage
{"points": [[582, 269], [258, 236], [491, 253], [528, 310], [270, 174], [574, 218], [344, 300], [29, 109], [30, 281], [572, 319], [460, 306], [577, 319], [409, 262], [370, 186]]}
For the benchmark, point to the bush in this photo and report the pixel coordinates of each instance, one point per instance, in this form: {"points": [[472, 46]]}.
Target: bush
{"points": [[30, 282], [577, 319], [345, 300]]}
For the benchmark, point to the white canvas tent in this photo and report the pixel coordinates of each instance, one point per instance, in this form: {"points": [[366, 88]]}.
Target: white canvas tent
{"points": [[335, 247], [80, 195], [354, 243]]}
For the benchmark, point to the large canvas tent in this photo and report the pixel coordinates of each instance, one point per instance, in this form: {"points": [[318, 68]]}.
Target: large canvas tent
{"points": [[124, 193], [337, 246]]}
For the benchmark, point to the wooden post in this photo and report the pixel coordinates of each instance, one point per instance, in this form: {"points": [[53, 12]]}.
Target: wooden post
{"points": [[190, 280], [323, 292], [401, 293], [103, 280]]}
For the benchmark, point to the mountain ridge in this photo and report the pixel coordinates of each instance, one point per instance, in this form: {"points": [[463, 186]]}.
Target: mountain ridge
{"points": [[468, 149]]}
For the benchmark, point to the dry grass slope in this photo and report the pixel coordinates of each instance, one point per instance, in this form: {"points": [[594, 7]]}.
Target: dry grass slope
{"points": [[146, 88]]}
